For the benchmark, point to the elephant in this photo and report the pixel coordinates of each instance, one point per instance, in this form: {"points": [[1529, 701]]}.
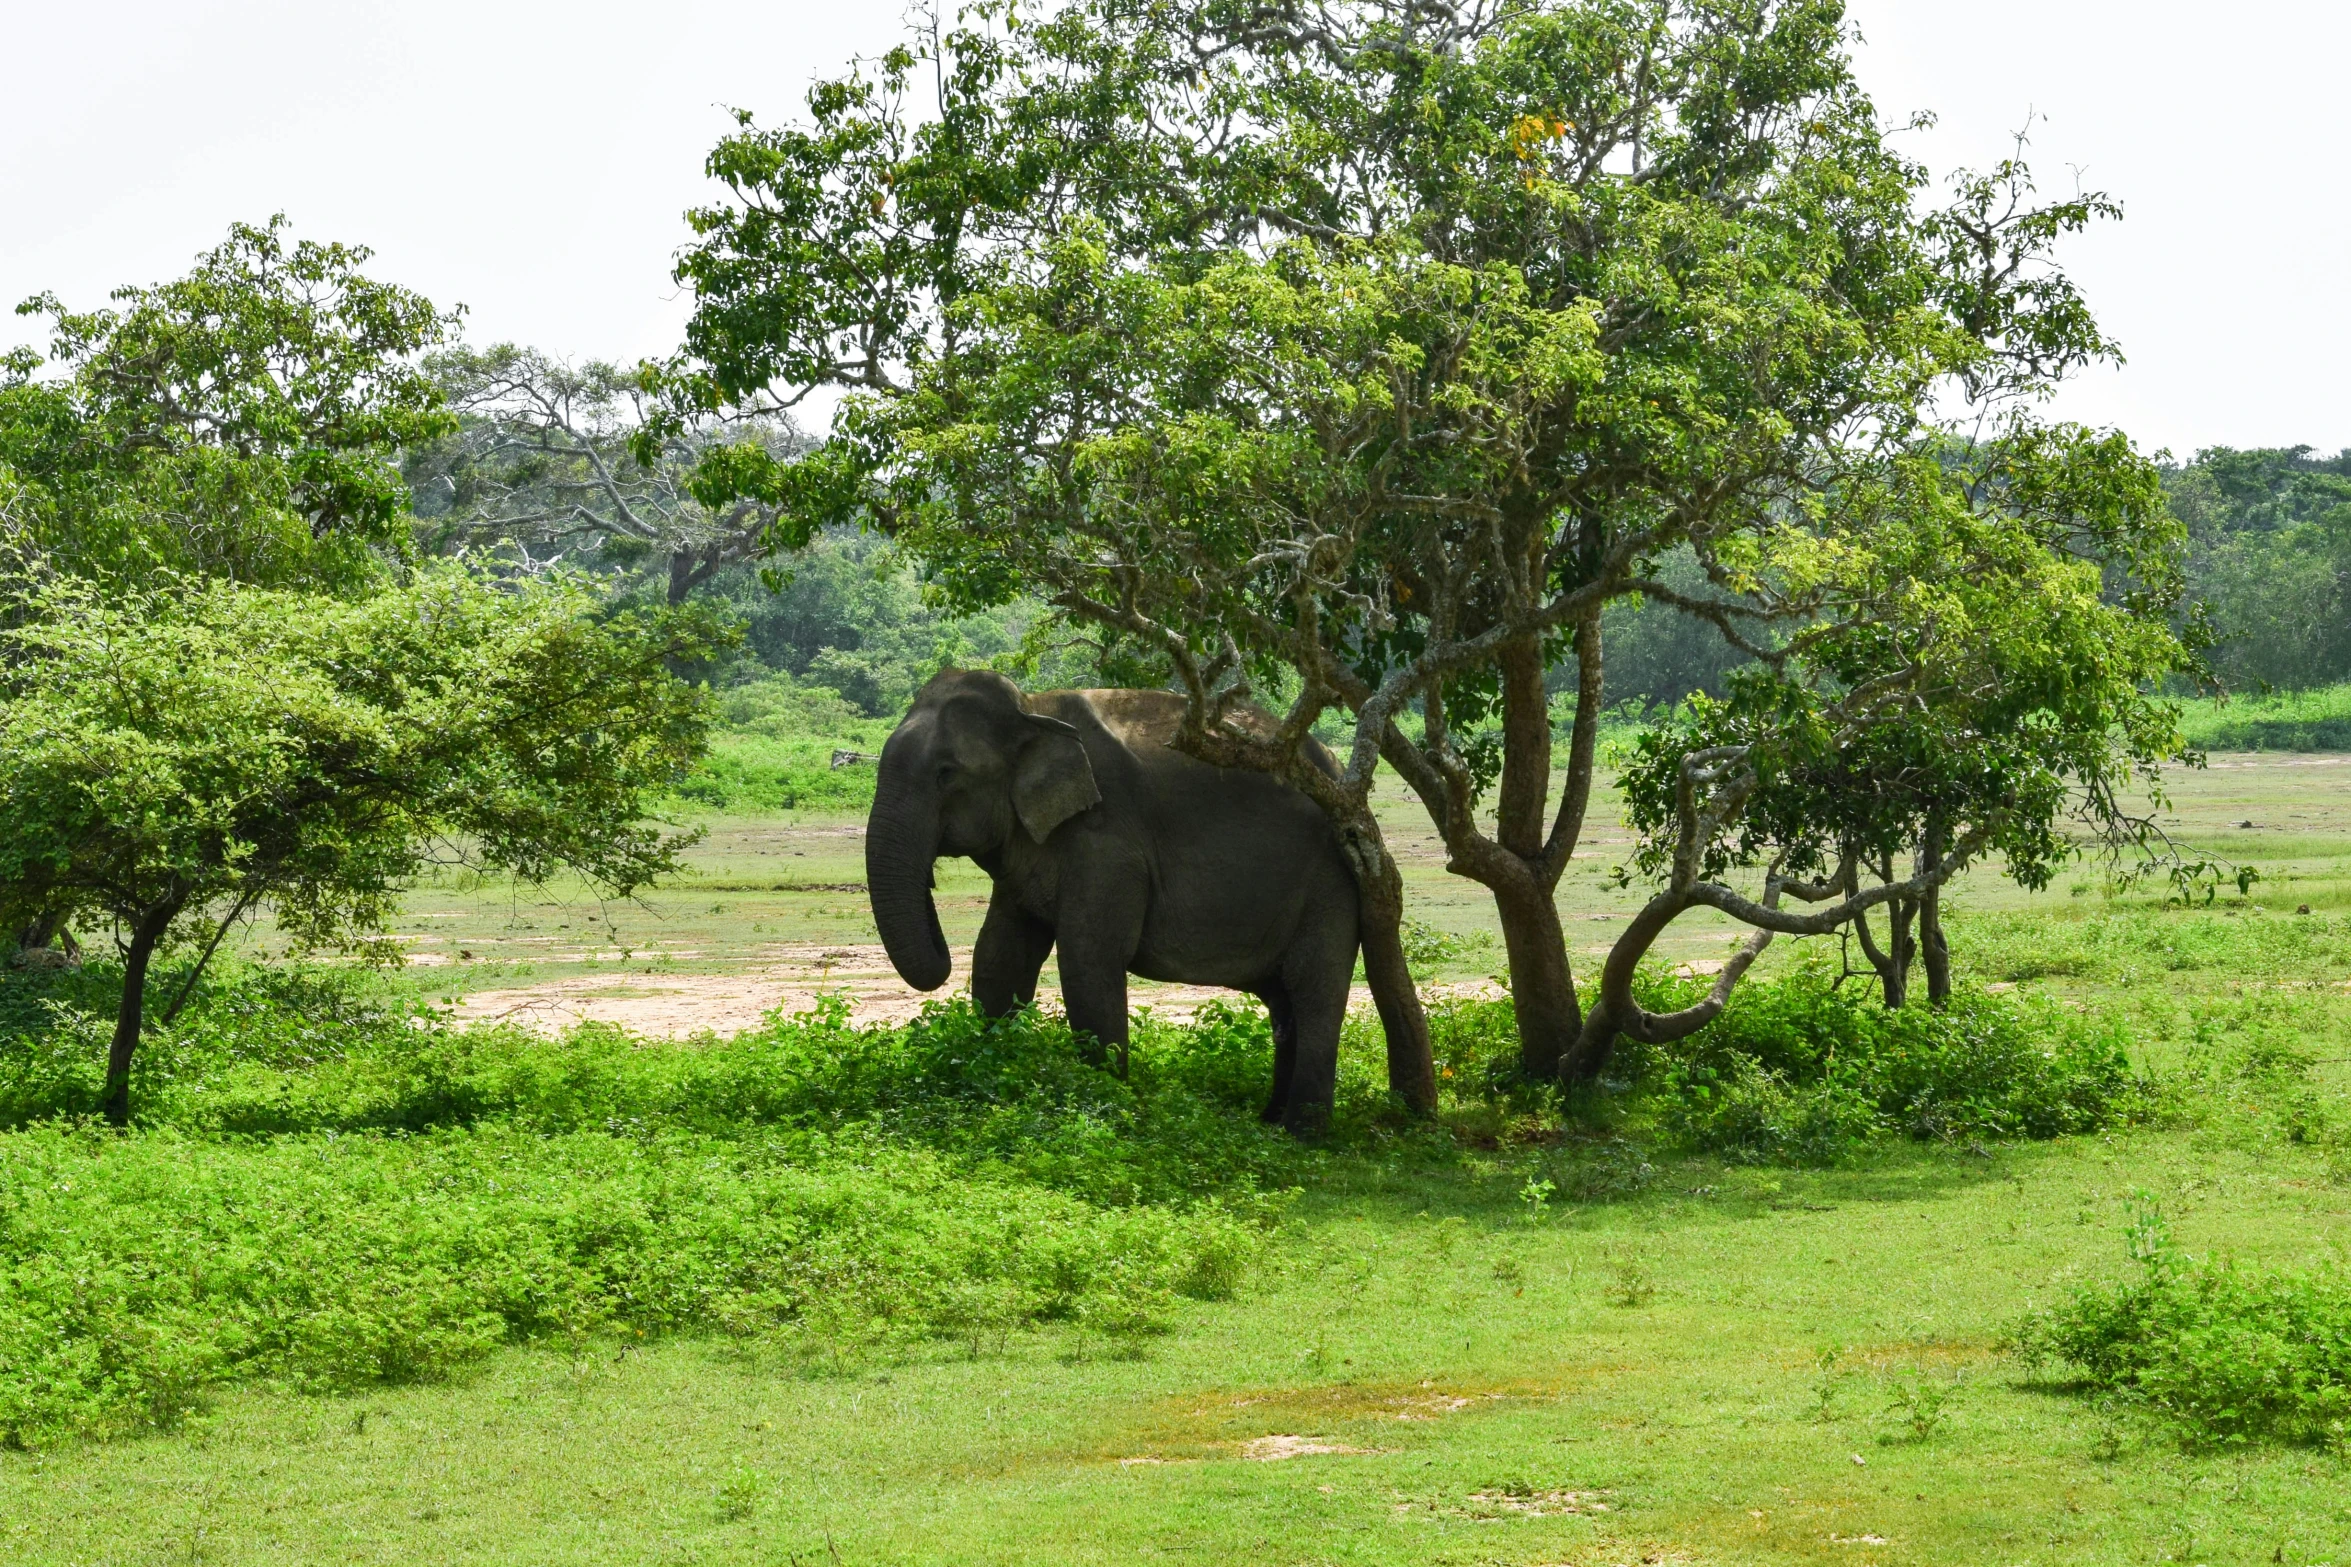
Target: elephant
{"points": [[1128, 855]]}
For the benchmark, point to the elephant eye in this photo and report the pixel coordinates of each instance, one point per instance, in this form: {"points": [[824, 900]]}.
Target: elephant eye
{"points": [[946, 774]]}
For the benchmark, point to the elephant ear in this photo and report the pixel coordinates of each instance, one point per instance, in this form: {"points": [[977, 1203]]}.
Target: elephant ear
{"points": [[1052, 780]]}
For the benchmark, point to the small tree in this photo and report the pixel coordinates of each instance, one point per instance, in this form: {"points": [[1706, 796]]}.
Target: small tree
{"points": [[1975, 691], [208, 749], [240, 421]]}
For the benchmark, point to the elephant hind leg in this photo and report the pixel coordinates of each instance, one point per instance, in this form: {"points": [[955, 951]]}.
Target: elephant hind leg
{"points": [[1276, 997], [1317, 983]]}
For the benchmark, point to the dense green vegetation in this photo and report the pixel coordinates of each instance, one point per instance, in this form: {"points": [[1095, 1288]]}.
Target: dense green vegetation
{"points": [[2316, 719], [331, 1188], [2231, 1354], [2271, 562]]}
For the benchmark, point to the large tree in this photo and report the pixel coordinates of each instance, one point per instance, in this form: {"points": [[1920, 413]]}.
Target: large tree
{"points": [[546, 459], [197, 752], [1386, 344]]}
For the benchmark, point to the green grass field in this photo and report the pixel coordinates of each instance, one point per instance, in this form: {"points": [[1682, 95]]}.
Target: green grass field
{"points": [[1531, 1336]]}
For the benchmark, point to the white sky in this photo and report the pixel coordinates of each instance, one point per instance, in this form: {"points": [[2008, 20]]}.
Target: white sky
{"points": [[532, 160]]}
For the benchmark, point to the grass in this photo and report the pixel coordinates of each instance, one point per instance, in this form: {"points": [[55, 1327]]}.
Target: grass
{"points": [[2318, 720], [1590, 1333]]}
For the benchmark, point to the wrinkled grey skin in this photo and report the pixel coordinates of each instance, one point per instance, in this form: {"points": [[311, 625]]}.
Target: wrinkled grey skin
{"points": [[1131, 857]]}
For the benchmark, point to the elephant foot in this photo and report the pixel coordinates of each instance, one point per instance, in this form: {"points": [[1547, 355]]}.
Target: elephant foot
{"points": [[1307, 1123]]}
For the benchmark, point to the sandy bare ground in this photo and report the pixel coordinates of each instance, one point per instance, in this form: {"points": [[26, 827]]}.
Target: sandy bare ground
{"points": [[675, 1006]]}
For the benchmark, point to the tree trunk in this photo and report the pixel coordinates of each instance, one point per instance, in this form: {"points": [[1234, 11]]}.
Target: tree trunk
{"points": [[1542, 986], [1542, 990], [1931, 943], [1412, 1062], [1901, 914], [130, 1016], [1519, 866]]}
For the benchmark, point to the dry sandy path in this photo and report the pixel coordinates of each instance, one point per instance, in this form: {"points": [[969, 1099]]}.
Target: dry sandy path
{"points": [[675, 1006]]}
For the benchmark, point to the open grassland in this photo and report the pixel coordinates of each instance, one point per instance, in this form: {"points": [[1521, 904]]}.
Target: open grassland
{"points": [[1733, 1366], [373, 1289]]}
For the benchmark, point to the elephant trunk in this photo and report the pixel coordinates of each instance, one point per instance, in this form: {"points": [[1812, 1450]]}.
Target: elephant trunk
{"points": [[900, 844]]}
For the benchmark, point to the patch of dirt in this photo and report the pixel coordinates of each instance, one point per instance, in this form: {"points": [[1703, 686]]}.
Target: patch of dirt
{"points": [[1504, 1502], [662, 1005], [1273, 1449]]}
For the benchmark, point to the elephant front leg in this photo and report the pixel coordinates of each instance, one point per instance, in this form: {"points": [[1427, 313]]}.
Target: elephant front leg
{"points": [[1285, 1049], [1005, 962], [1094, 991], [1099, 926], [1097, 1006]]}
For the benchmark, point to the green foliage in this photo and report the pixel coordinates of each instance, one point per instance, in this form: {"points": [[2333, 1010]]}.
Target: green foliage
{"points": [[331, 1189], [276, 1055], [1976, 686], [848, 618], [161, 751], [1801, 1071], [1429, 949], [2228, 1354], [164, 752], [748, 774], [1657, 653], [240, 421], [2317, 719], [2272, 564], [140, 1272]]}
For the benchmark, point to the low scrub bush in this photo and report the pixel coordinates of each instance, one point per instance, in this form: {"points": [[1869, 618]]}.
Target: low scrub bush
{"points": [[330, 1186], [1803, 1071], [2115, 945], [137, 1271], [273, 1055], [2227, 1354]]}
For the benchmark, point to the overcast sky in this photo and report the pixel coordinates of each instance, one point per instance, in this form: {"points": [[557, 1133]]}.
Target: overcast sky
{"points": [[531, 160]]}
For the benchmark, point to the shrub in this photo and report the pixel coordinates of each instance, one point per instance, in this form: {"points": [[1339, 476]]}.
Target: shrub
{"points": [[329, 1186], [2317, 720], [747, 773], [1800, 1070], [2228, 1354], [134, 1272]]}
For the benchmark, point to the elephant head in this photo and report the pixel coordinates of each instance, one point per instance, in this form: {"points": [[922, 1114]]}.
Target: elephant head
{"points": [[967, 768]]}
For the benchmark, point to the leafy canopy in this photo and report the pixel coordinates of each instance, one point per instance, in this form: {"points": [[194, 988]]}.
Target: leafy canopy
{"points": [[209, 742], [241, 421]]}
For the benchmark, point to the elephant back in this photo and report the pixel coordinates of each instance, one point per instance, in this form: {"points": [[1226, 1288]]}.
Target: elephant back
{"points": [[1147, 721]]}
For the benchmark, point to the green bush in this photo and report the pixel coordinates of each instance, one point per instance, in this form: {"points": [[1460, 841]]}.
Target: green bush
{"points": [[273, 1055], [2229, 1354], [1801, 1070], [746, 773], [329, 1186], [135, 1272], [2316, 720]]}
